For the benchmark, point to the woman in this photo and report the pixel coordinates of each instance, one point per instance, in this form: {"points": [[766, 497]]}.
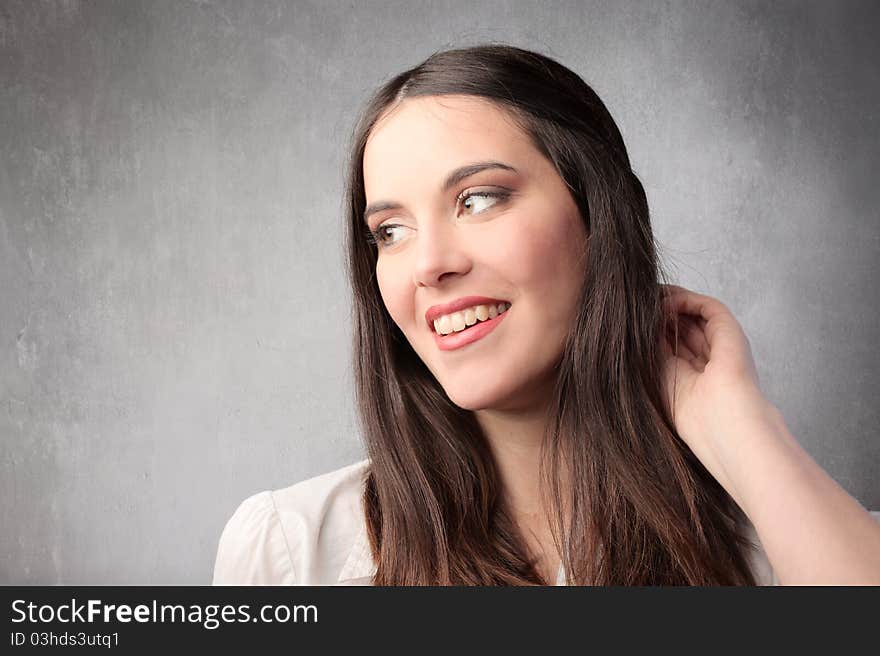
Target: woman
{"points": [[537, 407]]}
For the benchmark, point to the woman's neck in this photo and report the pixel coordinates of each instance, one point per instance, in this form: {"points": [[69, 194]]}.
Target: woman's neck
{"points": [[515, 442]]}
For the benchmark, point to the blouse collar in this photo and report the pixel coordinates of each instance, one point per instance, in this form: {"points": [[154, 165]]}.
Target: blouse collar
{"points": [[360, 562]]}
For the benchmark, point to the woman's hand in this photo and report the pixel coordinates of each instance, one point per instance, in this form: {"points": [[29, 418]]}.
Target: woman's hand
{"points": [[812, 530], [711, 379]]}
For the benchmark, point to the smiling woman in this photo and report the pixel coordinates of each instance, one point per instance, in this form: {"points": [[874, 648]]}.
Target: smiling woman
{"points": [[526, 247], [537, 406]]}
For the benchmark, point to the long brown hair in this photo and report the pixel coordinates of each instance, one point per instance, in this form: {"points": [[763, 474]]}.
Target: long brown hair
{"points": [[640, 509]]}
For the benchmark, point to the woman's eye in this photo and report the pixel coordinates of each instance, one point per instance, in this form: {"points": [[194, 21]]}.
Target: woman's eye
{"points": [[475, 199], [380, 236]]}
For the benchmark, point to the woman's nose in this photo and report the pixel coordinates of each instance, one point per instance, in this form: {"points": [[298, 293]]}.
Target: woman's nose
{"points": [[438, 253]]}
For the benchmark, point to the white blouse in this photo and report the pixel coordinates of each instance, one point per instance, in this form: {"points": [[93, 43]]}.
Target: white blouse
{"points": [[314, 533]]}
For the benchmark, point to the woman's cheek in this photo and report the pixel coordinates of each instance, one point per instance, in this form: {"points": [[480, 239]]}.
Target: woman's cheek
{"points": [[394, 297]]}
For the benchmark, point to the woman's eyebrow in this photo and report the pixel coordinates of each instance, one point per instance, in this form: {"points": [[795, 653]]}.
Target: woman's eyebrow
{"points": [[452, 179]]}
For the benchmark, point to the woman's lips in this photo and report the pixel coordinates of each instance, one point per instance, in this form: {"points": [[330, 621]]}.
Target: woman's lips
{"points": [[470, 334], [437, 311]]}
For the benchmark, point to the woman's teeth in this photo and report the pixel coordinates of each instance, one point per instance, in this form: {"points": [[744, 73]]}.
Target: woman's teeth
{"points": [[458, 321]]}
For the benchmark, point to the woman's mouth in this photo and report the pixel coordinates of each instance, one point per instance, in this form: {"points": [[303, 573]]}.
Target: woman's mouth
{"points": [[473, 324]]}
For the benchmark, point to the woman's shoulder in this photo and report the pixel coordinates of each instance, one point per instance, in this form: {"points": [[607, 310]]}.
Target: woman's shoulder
{"points": [[311, 533], [325, 493]]}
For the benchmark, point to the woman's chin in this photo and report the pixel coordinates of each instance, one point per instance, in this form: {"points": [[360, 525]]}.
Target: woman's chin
{"points": [[473, 397], [470, 399]]}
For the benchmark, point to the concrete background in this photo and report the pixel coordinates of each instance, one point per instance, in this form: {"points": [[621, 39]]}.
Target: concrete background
{"points": [[173, 331]]}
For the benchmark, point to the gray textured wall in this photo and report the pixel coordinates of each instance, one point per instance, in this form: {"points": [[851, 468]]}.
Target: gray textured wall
{"points": [[173, 330]]}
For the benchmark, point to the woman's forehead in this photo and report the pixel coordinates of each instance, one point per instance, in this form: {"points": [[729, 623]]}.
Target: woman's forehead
{"points": [[430, 133], [460, 111]]}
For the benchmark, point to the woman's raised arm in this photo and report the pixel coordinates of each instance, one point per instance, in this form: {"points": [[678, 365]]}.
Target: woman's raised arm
{"points": [[812, 530]]}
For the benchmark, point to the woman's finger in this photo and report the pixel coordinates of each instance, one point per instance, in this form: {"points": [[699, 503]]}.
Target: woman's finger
{"points": [[684, 301], [678, 346], [691, 328], [694, 336], [713, 315]]}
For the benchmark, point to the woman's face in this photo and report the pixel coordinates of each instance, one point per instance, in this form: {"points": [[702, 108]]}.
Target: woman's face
{"points": [[524, 246]]}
